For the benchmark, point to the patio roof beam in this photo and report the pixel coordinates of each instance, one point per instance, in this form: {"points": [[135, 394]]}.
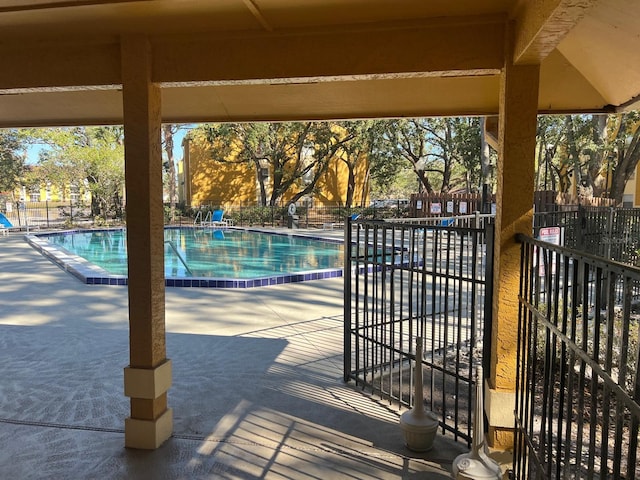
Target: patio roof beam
{"points": [[464, 47], [541, 25], [442, 48]]}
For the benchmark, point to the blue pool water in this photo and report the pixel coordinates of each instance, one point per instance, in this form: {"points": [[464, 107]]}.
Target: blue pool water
{"points": [[194, 253]]}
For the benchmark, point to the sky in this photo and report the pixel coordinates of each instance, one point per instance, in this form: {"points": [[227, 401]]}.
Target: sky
{"points": [[33, 151]]}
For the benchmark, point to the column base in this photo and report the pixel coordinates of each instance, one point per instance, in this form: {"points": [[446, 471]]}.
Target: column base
{"points": [[148, 434]]}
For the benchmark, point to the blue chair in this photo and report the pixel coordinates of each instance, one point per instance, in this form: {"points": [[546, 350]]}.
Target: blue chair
{"points": [[5, 225], [216, 219]]}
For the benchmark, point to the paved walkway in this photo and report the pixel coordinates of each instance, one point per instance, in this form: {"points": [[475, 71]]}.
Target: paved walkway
{"points": [[257, 389]]}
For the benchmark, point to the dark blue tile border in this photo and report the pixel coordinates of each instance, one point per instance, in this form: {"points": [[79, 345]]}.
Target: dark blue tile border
{"points": [[91, 274]]}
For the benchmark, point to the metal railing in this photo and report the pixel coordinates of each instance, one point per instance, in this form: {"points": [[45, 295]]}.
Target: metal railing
{"points": [[45, 214], [305, 216], [410, 280], [612, 233], [475, 220], [578, 390]]}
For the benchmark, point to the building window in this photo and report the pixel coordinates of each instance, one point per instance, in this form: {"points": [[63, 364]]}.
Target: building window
{"points": [[74, 193], [34, 193]]}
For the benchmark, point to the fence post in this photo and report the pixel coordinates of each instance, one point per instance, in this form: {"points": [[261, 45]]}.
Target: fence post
{"points": [[18, 208], [71, 210], [489, 232], [46, 207], [346, 277]]}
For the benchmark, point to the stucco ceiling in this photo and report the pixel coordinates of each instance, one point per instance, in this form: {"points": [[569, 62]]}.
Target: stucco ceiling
{"points": [[228, 60]]}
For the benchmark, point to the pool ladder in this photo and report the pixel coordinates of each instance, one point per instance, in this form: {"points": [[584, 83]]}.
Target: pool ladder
{"points": [[179, 255]]}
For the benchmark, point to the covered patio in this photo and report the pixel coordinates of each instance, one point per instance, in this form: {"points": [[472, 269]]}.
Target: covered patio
{"points": [[259, 385], [142, 63]]}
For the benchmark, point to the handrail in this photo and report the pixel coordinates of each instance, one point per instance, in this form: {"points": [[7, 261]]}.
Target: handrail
{"points": [[459, 220], [175, 250], [578, 255]]}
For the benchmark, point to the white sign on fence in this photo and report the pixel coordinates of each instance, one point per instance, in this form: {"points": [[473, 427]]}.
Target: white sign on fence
{"points": [[436, 208], [549, 235], [462, 207], [450, 206]]}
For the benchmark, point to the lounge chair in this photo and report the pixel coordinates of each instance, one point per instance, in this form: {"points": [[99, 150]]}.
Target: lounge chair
{"points": [[5, 225], [216, 219], [332, 225]]}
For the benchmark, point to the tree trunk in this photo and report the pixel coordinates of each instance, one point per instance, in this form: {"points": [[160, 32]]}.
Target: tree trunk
{"points": [[625, 166], [168, 148], [351, 186], [573, 154]]}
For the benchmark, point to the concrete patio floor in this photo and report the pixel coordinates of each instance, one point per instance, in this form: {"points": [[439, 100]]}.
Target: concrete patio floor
{"points": [[257, 385]]}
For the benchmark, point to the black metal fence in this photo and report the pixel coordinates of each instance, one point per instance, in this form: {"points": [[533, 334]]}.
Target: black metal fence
{"points": [[578, 387], [46, 214], [409, 280], [304, 216], [606, 232]]}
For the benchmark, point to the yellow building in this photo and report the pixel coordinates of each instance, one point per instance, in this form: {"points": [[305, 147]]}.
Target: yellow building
{"points": [[205, 181], [41, 191]]}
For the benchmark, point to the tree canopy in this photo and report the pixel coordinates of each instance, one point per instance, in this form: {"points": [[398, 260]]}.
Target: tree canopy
{"points": [[296, 154], [91, 156], [12, 161], [590, 155]]}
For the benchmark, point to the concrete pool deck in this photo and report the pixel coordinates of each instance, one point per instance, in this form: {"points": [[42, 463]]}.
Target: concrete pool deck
{"points": [[257, 385]]}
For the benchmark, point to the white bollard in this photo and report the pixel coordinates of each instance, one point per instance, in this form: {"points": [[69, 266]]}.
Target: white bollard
{"points": [[477, 464], [419, 425]]}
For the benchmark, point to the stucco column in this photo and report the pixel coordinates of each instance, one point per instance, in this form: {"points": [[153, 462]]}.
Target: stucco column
{"points": [[148, 377], [516, 155]]}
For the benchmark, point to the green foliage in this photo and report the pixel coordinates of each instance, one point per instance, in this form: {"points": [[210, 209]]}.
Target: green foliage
{"points": [[598, 153], [12, 163], [256, 215], [295, 154], [444, 153], [90, 157]]}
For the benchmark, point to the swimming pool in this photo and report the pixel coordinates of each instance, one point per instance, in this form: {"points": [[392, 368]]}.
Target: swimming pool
{"points": [[198, 257]]}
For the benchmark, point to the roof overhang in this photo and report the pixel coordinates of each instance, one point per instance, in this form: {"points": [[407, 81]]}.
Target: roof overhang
{"points": [[243, 60]]}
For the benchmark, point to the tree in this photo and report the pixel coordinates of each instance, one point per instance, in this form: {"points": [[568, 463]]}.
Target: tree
{"points": [[93, 156], [467, 153], [597, 154], [355, 153], [407, 138], [434, 147], [12, 163], [550, 136], [390, 174], [624, 154], [295, 154], [169, 165]]}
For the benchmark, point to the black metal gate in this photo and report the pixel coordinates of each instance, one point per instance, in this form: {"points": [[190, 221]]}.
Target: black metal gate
{"points": [[578, 383], [408, 280]]}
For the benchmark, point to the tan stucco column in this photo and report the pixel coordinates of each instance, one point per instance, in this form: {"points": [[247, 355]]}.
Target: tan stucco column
{"points": [[148, 377], [516, 154]]}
